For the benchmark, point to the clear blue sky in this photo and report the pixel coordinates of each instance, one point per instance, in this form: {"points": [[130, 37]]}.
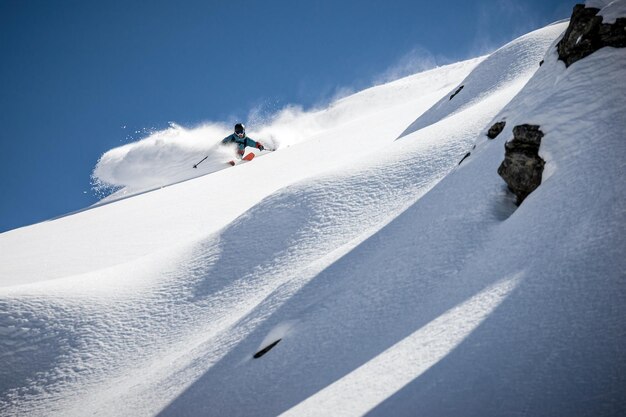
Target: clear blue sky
{"points": [[78, 78]]}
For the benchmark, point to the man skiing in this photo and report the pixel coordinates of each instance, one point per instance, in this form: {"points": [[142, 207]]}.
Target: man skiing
{"points": [[240, 138]]}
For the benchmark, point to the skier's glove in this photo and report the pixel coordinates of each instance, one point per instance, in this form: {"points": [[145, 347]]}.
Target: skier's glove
{"points": [[261, 147]]}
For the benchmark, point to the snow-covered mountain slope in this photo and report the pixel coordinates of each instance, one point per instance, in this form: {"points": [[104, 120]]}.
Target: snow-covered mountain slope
{"points": [[159, 221], [397, 281]]}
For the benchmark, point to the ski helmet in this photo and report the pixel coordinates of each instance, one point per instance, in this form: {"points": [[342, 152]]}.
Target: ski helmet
{"points": [[240, 128]]}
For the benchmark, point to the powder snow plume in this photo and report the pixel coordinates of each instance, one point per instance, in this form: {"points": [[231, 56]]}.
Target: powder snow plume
{"points": [[168, 156], [160, 159]]}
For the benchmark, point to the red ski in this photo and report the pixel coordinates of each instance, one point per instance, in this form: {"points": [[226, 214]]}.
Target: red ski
{"points": [[248, 157]]}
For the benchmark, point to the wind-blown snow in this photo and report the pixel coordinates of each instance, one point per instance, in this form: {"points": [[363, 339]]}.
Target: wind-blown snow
{"points": [[167, 157], [398, 281], [163, 158]]}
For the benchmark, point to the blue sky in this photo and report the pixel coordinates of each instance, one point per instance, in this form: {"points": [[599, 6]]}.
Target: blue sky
{"points": [[78, 78]]}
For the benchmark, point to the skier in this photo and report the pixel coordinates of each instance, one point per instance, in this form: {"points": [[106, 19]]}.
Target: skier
{"points": [[242, 141], [240, 138]]}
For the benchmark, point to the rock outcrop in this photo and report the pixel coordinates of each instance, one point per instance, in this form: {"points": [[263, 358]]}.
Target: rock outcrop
{"points": [[496, 129], [465, 157], [522, 166], [458, 90], [586, 34]]}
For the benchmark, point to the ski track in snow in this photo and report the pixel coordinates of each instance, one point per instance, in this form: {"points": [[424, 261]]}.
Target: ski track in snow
{"points": [[390, 273]]}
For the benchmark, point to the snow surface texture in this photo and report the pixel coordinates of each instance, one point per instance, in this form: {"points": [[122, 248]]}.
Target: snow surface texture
{"points": [[398, 282], [610, 10]]}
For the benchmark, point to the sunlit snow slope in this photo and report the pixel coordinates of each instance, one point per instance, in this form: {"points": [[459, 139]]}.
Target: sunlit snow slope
{"points": [[397, 281]]}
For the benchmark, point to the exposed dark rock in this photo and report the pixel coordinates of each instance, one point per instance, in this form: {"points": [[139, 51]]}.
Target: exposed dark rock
{"points": [[458, 90], [463, 159], [522, 166], [496, 129], [265, 349], [586, 34]]}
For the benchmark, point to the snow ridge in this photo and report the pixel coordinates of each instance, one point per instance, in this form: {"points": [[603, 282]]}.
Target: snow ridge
{"points": [[398, 281]]}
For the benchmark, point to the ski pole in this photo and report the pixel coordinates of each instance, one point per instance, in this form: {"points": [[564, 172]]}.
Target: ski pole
{"points": [[196, 165]]}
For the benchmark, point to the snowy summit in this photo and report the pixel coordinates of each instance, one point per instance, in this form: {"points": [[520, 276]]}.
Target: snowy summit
{"points": [[447, 244]]}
